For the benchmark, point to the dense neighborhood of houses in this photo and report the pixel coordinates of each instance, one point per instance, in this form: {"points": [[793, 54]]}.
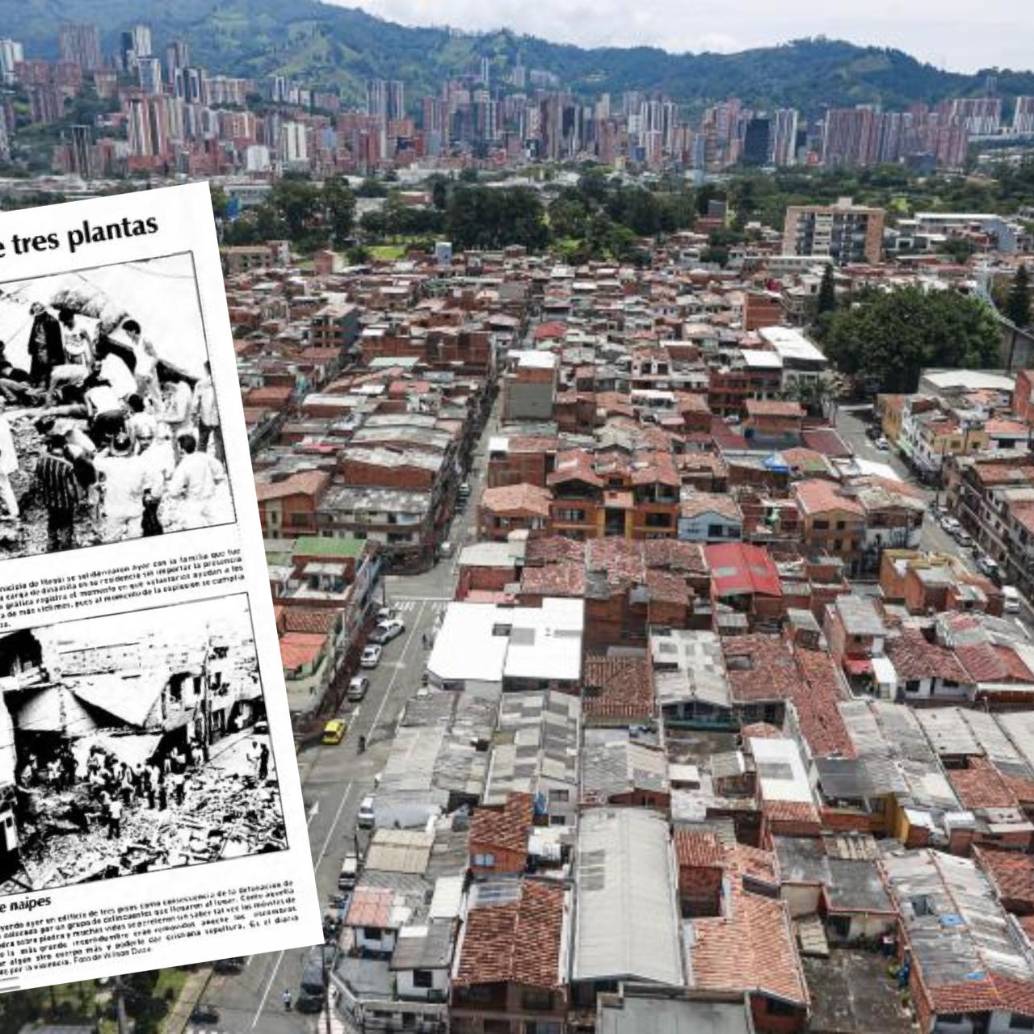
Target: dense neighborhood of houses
{"points": [[710, 729]]}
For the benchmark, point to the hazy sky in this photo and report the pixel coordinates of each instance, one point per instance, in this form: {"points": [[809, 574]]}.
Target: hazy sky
{"points": [[955, 34]]}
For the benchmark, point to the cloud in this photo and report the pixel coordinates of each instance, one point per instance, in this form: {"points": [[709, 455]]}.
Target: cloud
{"points": [[948, 33]]}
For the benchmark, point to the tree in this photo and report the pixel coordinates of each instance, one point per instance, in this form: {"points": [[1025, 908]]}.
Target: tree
{"points": [[827, 297], [886, 338], [338, 209], [487, 217], [959, 249], [1017, 304]]}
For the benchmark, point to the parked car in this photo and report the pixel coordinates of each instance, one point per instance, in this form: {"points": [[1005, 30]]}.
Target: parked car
{"points": [[963, 538], [334, 731], [204, 1012], [349, 871], [311, 1002], [387, 630], [985, 565], [319, 961], [949, 524], [371, 656], [464, 490], [364, 818], [1012, 599], [230, 966], [357, 688], [386, 613], [445, 549], [882, 444]]}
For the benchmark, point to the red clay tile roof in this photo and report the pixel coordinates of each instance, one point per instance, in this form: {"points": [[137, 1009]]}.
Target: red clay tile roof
{"points": [[710, 502], [667, 587], [561, 579], [522, 498], [981, 786], [505, 827], [816, 495], [551, 329], [825, 440], [313, 620], [553, 548], [308, 482], [1015, 669], [749, 950], [298, 649], [517, 942], [914, 657], [370, 906], [774, 407], [816, 698], [687, 557], [1010, 873], [754, 862], [995, 993], [574, 465], [698, 849], [761, 731], [759, 667], [797, 812], [618, 687]]}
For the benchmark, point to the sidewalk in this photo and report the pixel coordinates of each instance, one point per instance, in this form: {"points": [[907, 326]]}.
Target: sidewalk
{"points": [[178, 1018]]}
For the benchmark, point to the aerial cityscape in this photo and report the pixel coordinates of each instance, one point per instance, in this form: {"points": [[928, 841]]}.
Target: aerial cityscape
{"points": [[644, 452]]}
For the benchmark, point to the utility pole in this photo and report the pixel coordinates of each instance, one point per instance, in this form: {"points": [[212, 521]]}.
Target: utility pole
{"points": [[120, 1007]]}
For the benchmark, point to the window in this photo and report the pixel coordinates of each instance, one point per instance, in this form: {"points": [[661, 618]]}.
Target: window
{"points": [[912, 686], [372, 933], [535, 998], [841, 525], [820, 525], [423, 978], [558, 820], [774, 1007], [1017, 1022], [559, 796], [485, 861]]}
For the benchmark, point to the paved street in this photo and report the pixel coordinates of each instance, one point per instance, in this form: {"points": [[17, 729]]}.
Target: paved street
{"points": [[336, 778], [851, 426]]}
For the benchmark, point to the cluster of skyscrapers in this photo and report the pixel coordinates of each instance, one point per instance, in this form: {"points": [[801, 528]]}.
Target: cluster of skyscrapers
{"points": [[174, 116]]}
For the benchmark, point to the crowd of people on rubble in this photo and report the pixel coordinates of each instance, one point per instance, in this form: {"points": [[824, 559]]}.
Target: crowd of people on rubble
{"points": [[115, 786], [129, 444]]}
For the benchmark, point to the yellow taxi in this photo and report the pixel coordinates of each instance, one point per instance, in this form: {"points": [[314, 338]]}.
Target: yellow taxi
{"points": [[334, 731]]}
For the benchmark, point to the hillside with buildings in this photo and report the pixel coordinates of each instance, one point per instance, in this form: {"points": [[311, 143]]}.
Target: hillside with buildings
{"points": [[343, 47]]}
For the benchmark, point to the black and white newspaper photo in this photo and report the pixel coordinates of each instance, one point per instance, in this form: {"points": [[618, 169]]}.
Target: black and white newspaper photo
{"points": [[150, 807], [109, 427], [138, 742]]}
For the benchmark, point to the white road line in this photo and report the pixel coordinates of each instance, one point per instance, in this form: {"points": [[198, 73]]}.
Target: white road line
{"points": [[265, 993], [395, 675], [322, 855], [333, 825]]}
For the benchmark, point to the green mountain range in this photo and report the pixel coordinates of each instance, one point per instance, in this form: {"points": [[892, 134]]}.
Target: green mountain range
{"points": [[329, 45]]}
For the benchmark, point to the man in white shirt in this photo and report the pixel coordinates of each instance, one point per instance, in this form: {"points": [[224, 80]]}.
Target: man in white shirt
{"points": [[126, 482], [197, 483], [8, 465], [206, 414]]}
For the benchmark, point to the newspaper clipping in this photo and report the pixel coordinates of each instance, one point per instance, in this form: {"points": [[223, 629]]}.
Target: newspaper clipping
{"points": [[150, 810]]}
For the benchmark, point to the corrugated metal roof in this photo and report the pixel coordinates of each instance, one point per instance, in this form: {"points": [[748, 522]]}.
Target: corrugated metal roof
{"points": [[626, 920]]}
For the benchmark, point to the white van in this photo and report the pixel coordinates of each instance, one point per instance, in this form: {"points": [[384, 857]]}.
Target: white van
{"points": [[1012, 599]]}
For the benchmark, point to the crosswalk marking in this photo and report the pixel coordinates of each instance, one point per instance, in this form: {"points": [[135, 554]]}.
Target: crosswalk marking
{"points": [[404, 606]]}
